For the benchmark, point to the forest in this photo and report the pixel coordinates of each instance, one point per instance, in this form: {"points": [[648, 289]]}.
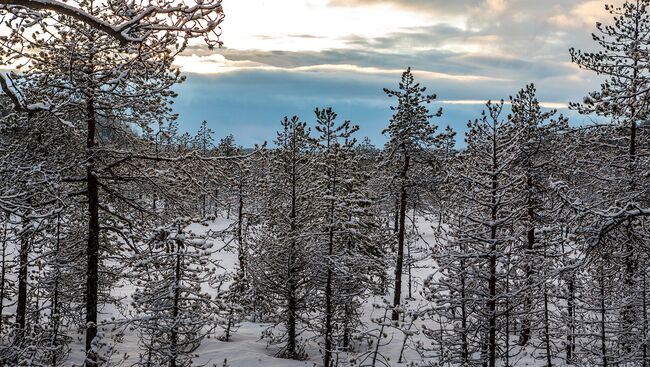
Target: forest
{"points": [[127, 240]]}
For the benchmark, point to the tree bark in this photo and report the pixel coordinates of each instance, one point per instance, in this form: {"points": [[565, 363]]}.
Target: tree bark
{"points": [[603, 330], [3, 272], [92, 266], [570, 312], [240, 231], [327, 358], [21, 303], [399, 264], [529, 269], [176, 306], [291, 283], [55, 292]]}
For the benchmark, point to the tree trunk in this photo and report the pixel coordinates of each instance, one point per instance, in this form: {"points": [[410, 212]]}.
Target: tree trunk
{"points": [[492, 283], [463, 312], [631, 263], [603, 331], [226, 337], [399, 265], [92, 266], [21, 304], [177, 297], [645, 319], [216, 201], [410, 260], [529, 268], [507, 315], [3, 273], [327, 358], [291, 283], [570, 347], [346, 327], [55, 292], [547, 332], [492, 308], [241, 251]]}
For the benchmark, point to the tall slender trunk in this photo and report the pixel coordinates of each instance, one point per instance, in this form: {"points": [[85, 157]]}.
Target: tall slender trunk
{"points": [[291, 281], [492, 308], [3, 271], [216, 200], [529, 268], [380, 335], [396, 217], [645, 319], [603, 330], [55, 292], [507, 315], [409, 264], [226, 337], [176, 307], [463, 310], [327, 358], [399, 265], [570, 345], [492, 260], [547, 332], [92, 250], [21, 303], [328, 308], [241, 254], [631, 262], [241, 250]]}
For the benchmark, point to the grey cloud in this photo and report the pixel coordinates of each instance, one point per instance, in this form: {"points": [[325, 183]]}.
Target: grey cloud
{"points": [[399, 50], [527, 48]]}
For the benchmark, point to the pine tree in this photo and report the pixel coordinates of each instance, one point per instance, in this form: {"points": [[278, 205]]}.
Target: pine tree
{"points": [[174, 310], [622, 98], [203, 142], [472, 292], [282, 243], [348, 252], [538, 132], [410, 134]]}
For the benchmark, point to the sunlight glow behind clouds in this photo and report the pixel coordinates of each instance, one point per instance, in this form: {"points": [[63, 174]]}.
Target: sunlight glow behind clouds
{"points": [[309, 25]]}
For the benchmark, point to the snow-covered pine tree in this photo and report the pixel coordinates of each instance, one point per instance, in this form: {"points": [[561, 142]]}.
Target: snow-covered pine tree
{"points": [[106, 89], [105, 83], [175, 302], [142, 23], [349, 256], [472, 289], [282, 244], [203, 143], [226, 190], [145, 27], [617, 214], [33, 159], [244, 173], [537, 147], [410, 134]]}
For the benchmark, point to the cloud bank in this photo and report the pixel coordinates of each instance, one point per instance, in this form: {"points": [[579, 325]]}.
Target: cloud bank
{"points": [[286, 57]]}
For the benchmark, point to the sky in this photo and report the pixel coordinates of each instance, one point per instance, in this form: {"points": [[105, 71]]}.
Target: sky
{"points": [[287, 57]]}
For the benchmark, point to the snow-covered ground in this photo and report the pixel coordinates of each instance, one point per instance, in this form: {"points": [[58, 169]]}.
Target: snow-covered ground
{"points": [[247, 349]]}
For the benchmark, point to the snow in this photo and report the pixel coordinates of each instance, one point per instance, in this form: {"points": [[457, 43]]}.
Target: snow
{"points": [[247, 348]]}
